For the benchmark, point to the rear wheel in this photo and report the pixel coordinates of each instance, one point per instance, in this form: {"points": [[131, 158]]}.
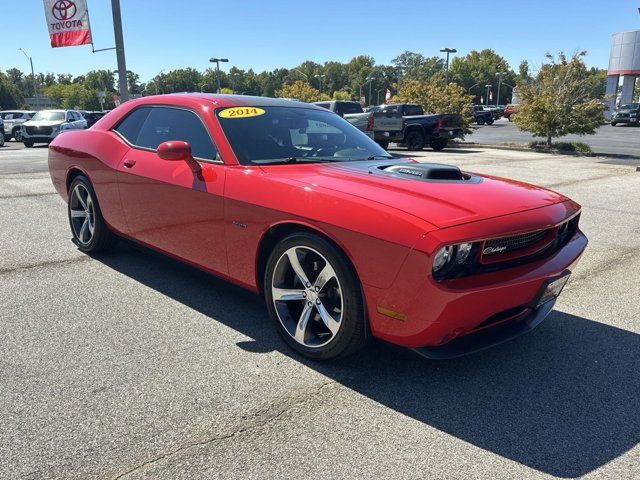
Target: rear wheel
{"points": [[28, 143], [438, 144], [314, 297], [89, 231], [1, 139], [613, 124], [414, 140], [490, 121], [480, 121]]}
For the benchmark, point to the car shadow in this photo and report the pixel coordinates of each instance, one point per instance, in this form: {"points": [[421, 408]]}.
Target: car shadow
{"points": [[562, 400], [403, 153]]}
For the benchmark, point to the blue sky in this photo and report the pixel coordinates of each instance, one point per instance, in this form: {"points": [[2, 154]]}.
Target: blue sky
{"points": [[163, 34]]}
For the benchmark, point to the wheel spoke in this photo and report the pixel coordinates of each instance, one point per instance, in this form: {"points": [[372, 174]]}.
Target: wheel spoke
{"points": [[79, 197], [301, 329], [83, 230], [287, 294], [325, 275], [78, 214], [295, 264], [327, 319]]}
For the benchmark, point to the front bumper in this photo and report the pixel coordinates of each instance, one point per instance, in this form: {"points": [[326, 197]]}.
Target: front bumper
{"points": [[432, 314], [39, 137], [625, 120]]}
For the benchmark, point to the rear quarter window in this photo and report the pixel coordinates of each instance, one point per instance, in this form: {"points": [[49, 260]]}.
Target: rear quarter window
{"points": [[130, 126]]}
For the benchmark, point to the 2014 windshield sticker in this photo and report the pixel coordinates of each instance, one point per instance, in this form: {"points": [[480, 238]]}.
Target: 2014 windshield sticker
{"points": [[241, 112]]}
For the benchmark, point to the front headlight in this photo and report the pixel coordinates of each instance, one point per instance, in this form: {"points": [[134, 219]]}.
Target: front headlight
{"points": [[451, 260]]}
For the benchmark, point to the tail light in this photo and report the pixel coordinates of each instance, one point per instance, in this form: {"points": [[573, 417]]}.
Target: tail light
{"points": [[439, 124], [370, 123]]}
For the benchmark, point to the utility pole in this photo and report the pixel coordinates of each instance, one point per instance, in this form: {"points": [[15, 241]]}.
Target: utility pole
{"points": [[500, 74], [33, 75], [446, 65], [217, 62], [122, 64], [320, 77]]}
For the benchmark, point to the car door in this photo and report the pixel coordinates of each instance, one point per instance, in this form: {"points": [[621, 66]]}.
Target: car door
{"points": [[166, 205]]}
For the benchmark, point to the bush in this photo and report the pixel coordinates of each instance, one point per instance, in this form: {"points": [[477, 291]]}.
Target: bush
{"points": [[577, 147]]}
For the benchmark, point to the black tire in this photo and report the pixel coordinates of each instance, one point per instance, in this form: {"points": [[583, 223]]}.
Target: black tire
{"points": [[1, 139], [351, 333], [102, 238], [613, 124], [28, 143], [384, 144], [414, 140], [490, 122], [480, 120], [438, 144], [17, 134]]}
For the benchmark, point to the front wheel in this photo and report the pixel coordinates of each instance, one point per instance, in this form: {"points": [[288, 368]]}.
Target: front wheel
{"points": [[1, 139], [314, 297], [438, 144], [28, 143], [17, 134], [613, 124], [480, 121], [89, 231], [490, 122], [414, 140]]}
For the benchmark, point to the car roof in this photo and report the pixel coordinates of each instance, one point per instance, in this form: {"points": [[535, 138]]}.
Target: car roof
{"points": [[224, 100], [17, 111]]}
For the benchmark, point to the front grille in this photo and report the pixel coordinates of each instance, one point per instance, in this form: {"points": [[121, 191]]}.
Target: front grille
{"points": [[39, 130], [510, 244]]}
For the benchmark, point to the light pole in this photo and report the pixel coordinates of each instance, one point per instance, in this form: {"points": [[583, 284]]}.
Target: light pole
{"points": [[302, 73], [499, 75], [33, 75], [446, 65], [320, 77], [217, 62], [488, 85], [122, 64]]}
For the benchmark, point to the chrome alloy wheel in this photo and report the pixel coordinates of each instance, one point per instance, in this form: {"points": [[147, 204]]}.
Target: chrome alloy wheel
{"points": [[307, 296], [82, 214]]}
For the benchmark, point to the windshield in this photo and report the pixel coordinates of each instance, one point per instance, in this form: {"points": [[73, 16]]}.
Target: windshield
{"points": [[49, 116], [270, 135], [630, 106]]}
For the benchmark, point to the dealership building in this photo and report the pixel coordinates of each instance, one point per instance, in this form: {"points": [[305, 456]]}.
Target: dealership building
{"points": [[624, 62]]}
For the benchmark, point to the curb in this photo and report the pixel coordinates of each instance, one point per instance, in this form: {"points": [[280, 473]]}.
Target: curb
{"points": [[524, 148]]}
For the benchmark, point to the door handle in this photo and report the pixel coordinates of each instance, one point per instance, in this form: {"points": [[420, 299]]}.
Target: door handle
{"points": [[129, 163]]}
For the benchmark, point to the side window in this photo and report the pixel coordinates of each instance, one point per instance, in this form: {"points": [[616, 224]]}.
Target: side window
{"points": [[130, 126], [165, 123]]}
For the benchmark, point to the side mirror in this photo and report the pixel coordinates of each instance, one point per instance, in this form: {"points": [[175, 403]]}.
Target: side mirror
{"points": [[176, 150]]}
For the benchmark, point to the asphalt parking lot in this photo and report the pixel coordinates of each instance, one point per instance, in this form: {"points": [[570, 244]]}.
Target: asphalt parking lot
{"points": [[621, 140], [129, 365]]}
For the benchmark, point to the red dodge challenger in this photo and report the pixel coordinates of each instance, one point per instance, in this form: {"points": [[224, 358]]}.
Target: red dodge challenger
{"points": [[343, 240]]}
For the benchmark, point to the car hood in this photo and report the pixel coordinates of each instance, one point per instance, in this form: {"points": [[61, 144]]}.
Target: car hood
{"points": [[43, 123], [440, 203]]}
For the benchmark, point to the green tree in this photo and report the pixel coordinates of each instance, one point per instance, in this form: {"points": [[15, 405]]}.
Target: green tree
{"points": [[101, 80], [10, 96], [73, 95], [415, 66], [341, 95], [479, 68], [436, 97], [301, 90], [559, 100]]}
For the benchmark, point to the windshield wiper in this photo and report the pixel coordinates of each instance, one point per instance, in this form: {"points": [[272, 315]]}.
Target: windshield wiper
{"points": [[374, 157]]}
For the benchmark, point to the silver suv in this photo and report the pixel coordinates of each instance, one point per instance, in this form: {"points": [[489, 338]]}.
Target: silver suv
{"points": [[12, 121], [47, 124]]}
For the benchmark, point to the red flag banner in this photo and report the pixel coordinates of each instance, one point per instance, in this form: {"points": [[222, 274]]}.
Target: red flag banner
{"points": [[68, 22]]}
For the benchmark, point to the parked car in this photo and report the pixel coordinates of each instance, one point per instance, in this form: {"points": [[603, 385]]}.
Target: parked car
{"points": [[408, 125], [1, 132], [628, 113], [45, 125], [352, 112], [343, 240], [92, 117], [509, 110], [482, 116], [13, 119]]}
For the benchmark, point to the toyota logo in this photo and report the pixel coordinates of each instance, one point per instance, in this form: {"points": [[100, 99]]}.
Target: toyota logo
{"points": [[64, 10]]}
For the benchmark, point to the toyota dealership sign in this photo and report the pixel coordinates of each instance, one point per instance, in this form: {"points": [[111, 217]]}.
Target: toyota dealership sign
{"points": [[68, 22]]}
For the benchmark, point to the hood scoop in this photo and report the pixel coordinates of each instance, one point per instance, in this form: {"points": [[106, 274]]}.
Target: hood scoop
{"points": [[429, 172]]}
